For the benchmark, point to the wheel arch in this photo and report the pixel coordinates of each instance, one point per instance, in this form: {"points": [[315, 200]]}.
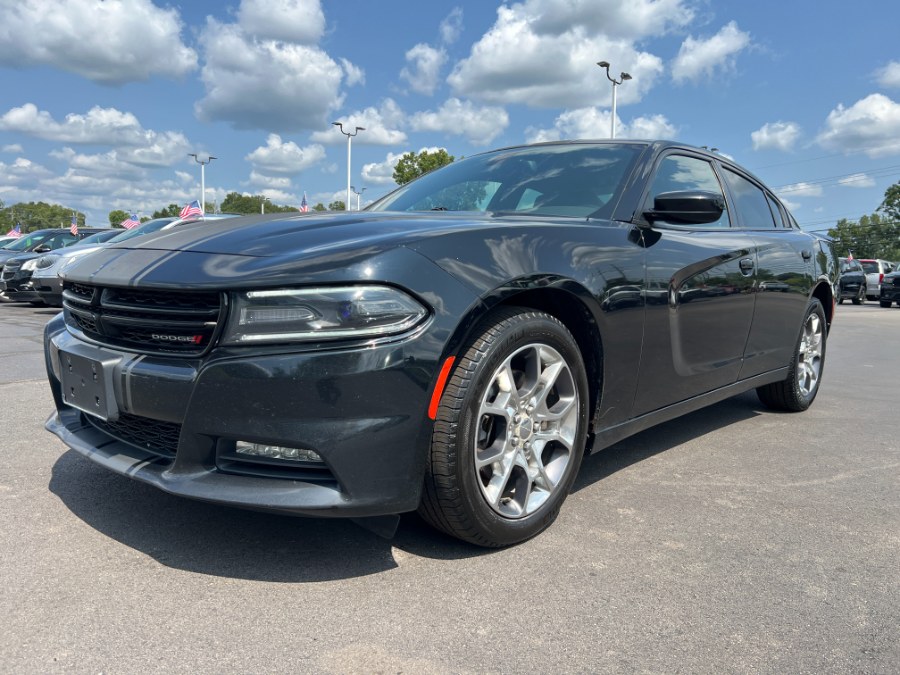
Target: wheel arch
{"points": [[566, 300], [824, 293]]}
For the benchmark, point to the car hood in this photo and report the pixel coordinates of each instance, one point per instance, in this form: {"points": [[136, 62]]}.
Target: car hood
{"points": [[261, 250], [306, 235]]}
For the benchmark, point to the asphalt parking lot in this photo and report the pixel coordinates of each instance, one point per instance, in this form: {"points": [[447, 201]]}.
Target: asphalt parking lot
{"points": [[731, 540]]}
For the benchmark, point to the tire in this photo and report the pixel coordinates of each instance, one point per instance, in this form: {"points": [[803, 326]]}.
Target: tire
{"points": [[861, 296], [884, 303], [798, 390], [502, 460], [841, 301]]}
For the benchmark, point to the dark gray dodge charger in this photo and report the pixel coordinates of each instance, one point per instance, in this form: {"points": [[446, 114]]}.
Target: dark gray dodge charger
{"points": [[455, 348]]}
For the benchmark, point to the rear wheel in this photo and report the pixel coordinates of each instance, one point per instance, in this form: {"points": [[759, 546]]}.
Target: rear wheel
{"points": [[798, 390], [860, 297], [885, 303], [509, 432]]}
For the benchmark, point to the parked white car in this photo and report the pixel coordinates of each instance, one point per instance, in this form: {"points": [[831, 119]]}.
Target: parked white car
{"points": [[875, 270]]}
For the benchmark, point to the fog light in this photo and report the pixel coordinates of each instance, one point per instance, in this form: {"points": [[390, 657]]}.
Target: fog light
{"points": [[277, 452]]}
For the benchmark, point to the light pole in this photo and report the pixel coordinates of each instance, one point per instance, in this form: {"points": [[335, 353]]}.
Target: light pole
{"points": [[349, 135], [202, 160], [262, 204], [615, 83], [357, 195]]}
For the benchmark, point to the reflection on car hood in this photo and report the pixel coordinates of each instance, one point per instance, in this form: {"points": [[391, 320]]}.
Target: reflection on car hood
{"points": [[307, 235]]}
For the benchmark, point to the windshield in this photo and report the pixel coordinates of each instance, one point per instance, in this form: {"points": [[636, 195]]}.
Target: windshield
{"points": [[569, 180], [146, 228], [27, 241], [97, 238]]}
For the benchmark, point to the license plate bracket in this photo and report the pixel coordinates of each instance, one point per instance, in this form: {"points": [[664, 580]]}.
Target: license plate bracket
{"points": [[87, 385]]}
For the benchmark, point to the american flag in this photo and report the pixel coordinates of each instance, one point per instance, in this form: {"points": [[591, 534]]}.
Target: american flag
{"points": [[73, 228], [15, 232], [850, 255], [191, 210], [130, 221], [304, 206]]}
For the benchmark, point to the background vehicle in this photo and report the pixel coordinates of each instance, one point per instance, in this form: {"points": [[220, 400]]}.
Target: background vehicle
{"points": [[42, 241], [16, 271], [455, 348], [890, 289], [875, 271], [5, 241], [852, 282]]}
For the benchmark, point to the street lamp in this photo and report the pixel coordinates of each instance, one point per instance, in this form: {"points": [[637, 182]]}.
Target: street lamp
{"points": [[262, 204], [349, 135], [615, 83], [202, 160], [357, 195]]}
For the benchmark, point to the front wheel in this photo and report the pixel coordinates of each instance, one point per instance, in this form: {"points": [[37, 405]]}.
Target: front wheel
{"points": [[509, 433], [798, 390]]}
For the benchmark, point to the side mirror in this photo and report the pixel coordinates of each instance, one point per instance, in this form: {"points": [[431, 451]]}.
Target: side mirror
{"points": [[688, 207], [43, 248]]}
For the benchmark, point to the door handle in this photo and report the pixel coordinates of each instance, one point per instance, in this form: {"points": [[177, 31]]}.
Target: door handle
{"points": [[746, 265], [806, 253]]}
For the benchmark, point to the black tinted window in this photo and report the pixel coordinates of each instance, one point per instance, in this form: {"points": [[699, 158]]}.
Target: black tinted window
{"points": [[750, 201]]}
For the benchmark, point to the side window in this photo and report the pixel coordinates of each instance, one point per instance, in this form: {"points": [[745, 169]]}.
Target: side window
{"points": [[776, 211], [750, 202], [677, 173]]}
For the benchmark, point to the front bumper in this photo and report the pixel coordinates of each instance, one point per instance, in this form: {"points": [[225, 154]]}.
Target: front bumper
{"points": [[48, 288], [890, 292], [363, 409]]}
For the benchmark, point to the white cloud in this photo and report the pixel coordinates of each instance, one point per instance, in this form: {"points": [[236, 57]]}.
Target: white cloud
{"points": [[889, 76], [592, 123], [280, 157], [699, 58], [776, 135], [424, 69], [100, 126], [871, 125], [857, 180], [266, 84], [22, 172], [381, 173], [479, 124], [451, 27], [12, 147], [380, 126], [353, 73], [107, 42], [541, 53], [299, 21], [801, 190], [260, 180]]}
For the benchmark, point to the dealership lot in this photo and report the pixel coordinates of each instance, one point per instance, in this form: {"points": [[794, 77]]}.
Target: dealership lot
{"points": [[731, 540]]}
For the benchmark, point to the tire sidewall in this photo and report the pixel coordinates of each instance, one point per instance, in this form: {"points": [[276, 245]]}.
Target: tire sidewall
{"points": [[805, 400], [515, 333]]}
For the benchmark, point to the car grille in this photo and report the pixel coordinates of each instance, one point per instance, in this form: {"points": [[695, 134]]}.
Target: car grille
{"points": [[160, 438], [144, 321], [9, 270]]}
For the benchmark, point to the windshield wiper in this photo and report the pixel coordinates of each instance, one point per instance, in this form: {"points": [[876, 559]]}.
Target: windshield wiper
{"points": [[439, 208]]}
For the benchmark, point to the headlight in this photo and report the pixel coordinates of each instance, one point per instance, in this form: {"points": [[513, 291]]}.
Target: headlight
{"points": [[46, 261], [297, 314], [29, 265]]}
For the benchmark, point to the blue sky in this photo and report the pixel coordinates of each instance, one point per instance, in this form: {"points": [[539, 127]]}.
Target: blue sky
{"points": [[101, 101]]}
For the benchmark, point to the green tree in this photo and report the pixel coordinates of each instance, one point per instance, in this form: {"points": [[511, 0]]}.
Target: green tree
{"points": [[117, 216], [319, 207], [872, 236], [170, 211], [411, 165], [235, 202], [337, 205], [38, 215]]}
